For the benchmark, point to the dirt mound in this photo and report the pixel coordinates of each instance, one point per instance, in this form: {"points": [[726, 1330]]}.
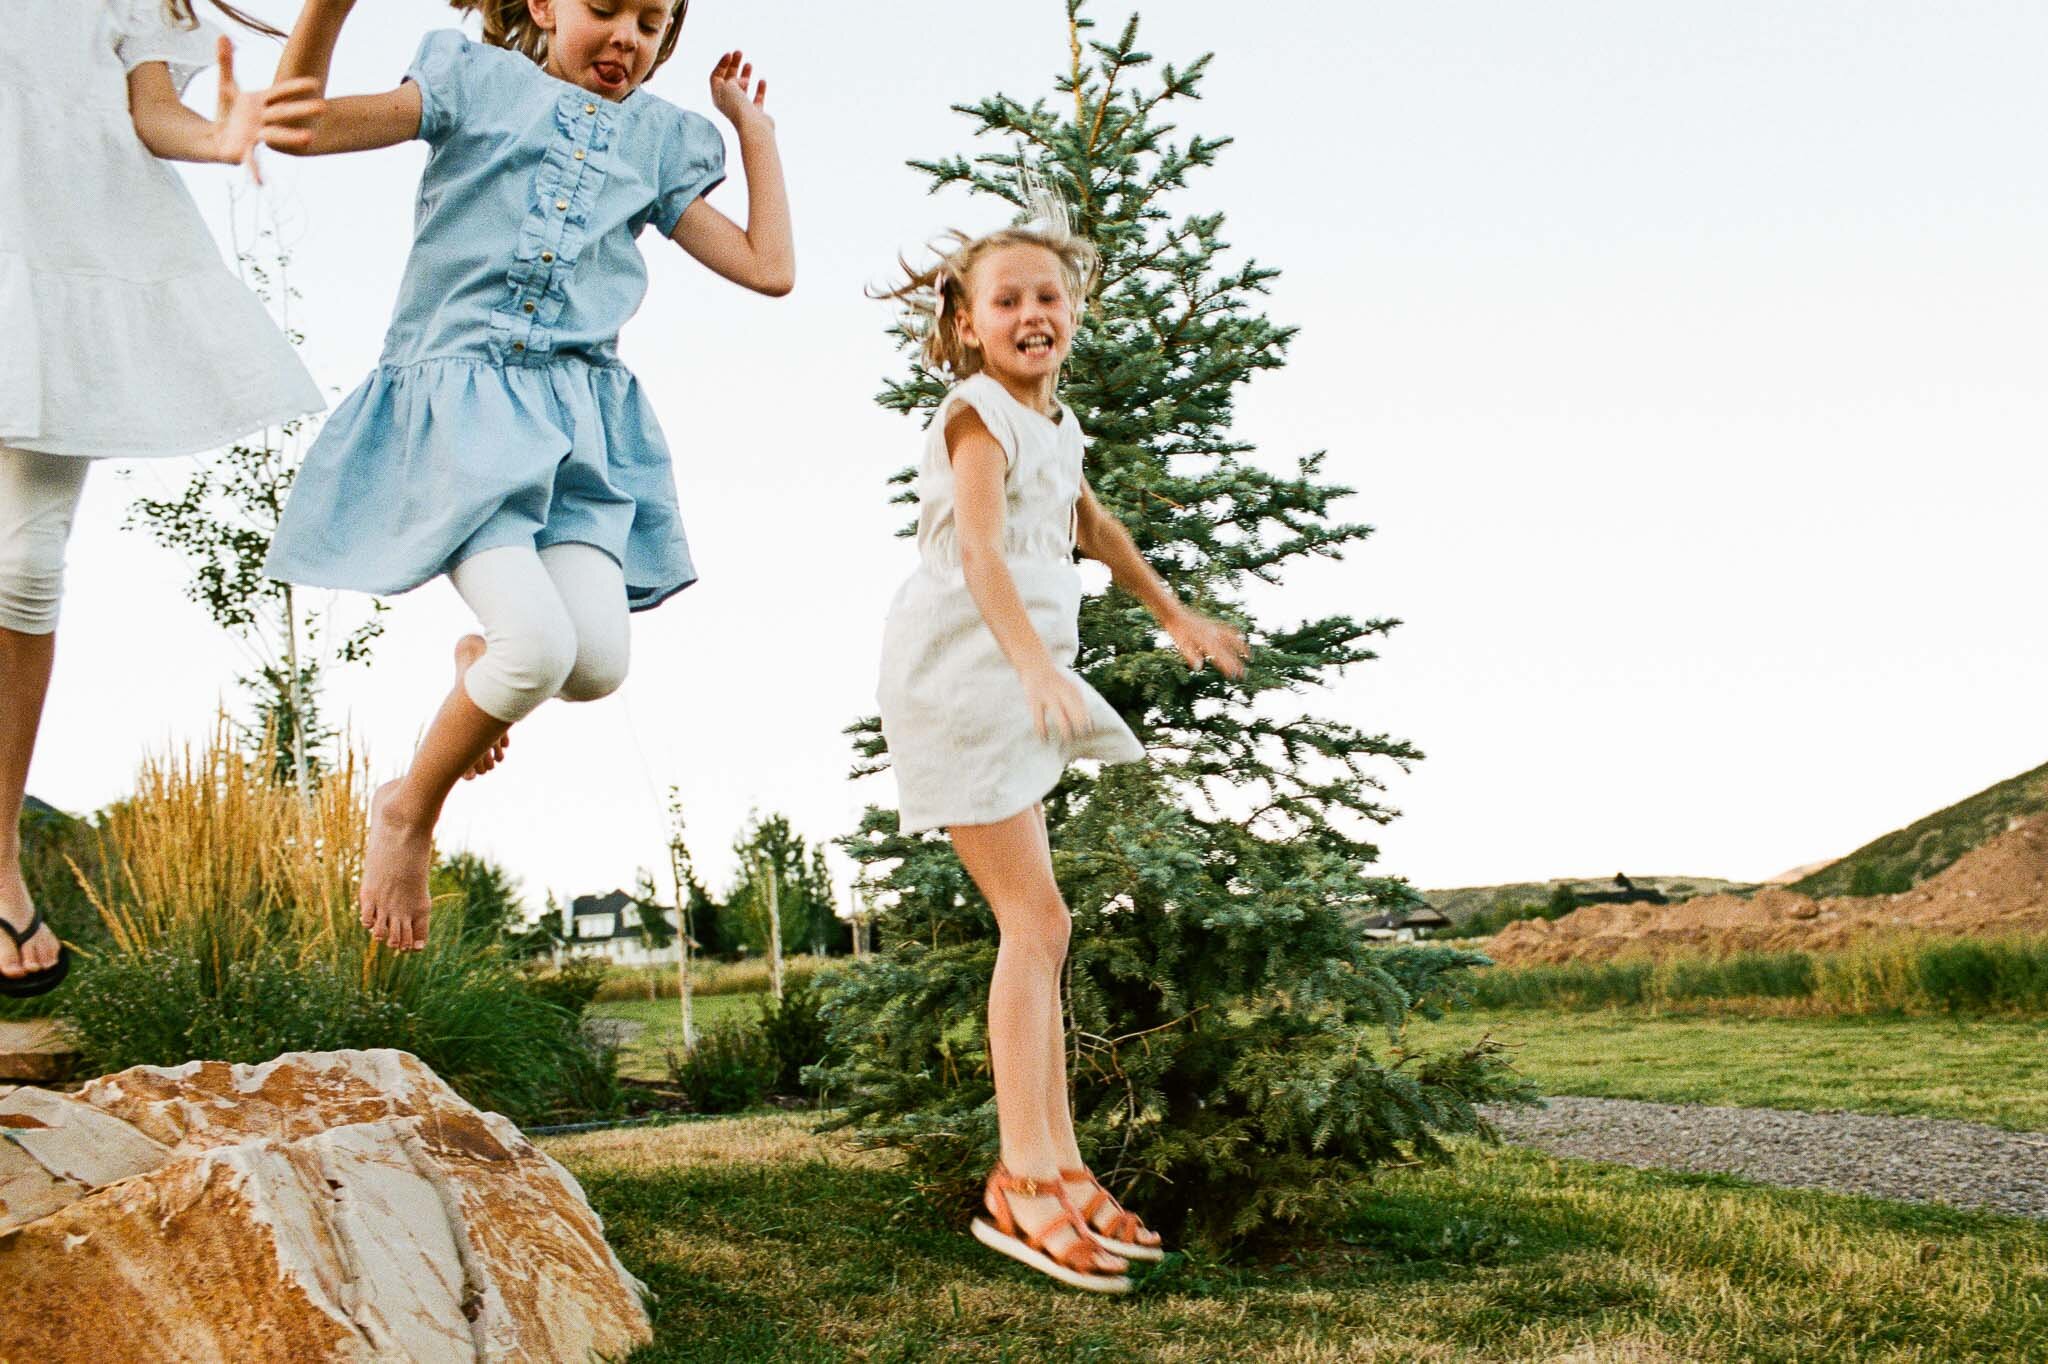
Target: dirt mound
{"points": [[2000, 887]]}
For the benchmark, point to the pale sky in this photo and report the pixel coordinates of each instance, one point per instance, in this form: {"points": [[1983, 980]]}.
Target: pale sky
{"points": [[1688, 358]]}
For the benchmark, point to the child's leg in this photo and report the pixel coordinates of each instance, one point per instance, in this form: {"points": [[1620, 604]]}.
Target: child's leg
{"points": [[529, 648], [38, 499], [1012, 865], [592, 587]]}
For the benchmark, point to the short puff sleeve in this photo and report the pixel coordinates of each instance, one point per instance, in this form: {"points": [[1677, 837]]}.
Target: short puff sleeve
{"points": [[145, 32], [442, 70], [994, 406], [692, 165]]}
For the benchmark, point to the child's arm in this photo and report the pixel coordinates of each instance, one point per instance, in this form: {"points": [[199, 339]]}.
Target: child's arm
{"points": [[1102, 537], [281, 116], [760, 256], [978, 503], [353, 123]]}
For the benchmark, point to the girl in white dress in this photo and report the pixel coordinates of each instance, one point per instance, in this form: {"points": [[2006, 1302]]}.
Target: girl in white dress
{"points": [[982, 708], [122, 332]]}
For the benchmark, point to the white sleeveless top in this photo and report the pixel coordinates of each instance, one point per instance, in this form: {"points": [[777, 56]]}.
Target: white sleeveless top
{"points": [[123, 332]]}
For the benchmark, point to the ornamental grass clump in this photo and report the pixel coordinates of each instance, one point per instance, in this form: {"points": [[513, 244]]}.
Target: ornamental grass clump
{"points": [[230, 907]]}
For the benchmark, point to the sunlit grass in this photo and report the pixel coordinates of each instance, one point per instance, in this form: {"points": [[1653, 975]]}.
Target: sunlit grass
{"points": [[765, 1242]]}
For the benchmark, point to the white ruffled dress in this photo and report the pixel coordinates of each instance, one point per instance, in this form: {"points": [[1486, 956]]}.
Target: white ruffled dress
{"points": [[962, 740], [123, 334]]}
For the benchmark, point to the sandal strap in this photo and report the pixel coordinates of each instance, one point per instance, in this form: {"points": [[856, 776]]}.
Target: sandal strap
{"points": [[1083, 1244], [1123, 1225], [22, 935]]}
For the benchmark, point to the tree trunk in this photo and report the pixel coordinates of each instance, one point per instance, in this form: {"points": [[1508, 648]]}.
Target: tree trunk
{"points": [[774, 932]]}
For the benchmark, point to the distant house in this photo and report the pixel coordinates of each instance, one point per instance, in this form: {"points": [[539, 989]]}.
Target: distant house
{"points": [[609, 926], [1402, 927]]}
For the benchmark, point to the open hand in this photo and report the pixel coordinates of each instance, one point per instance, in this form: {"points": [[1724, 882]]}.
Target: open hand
{"points": [[281, 116], [1057, 707], [729, 81], [1202, 639]]}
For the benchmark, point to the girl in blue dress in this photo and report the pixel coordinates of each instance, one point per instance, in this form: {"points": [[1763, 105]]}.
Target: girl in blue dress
{"points": [[499, 441]]}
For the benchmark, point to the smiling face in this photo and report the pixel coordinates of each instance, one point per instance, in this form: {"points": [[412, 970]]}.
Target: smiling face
{"points": [[605, 46], [1020, 316]]}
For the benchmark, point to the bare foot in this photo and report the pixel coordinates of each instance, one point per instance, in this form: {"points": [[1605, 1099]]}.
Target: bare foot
{"points": [[40, 952], [468, 650], [397, 858]]}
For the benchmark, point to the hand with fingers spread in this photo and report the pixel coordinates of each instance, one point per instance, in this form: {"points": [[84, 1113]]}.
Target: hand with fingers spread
{"points": [[1057, 708], [1204, 639], [729, 95], [281, 116]]}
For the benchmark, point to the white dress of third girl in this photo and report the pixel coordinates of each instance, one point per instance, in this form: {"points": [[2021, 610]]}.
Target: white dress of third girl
{"points": [[122, 333], [961, 737]]}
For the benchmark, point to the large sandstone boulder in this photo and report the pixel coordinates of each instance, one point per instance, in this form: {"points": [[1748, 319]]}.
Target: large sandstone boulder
{"points": [[324, 1206]]}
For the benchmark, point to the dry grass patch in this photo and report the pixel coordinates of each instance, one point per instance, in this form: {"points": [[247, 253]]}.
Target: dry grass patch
{"points": [[767, 1139]]}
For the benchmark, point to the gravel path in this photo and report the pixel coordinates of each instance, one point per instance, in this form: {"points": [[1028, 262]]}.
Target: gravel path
{"points": [[1920, 1160]]}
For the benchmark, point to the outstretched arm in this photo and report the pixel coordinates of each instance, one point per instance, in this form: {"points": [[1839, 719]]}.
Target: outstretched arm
{"points": [[281, 116], [1200, 639], [761, 255], [353, 123]]}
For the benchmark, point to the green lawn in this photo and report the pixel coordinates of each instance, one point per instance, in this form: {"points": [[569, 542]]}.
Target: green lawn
{"points": [[764, 1242], [1984, 1070], [642, 1057]]}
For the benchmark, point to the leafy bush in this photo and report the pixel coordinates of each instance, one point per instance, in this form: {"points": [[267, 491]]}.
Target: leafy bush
{"points": [[573, 985], [731, 1068], [233, 935], [796, 1031]]}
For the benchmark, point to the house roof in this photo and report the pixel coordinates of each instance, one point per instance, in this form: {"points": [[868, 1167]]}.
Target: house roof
{"points": [[584, 905]]}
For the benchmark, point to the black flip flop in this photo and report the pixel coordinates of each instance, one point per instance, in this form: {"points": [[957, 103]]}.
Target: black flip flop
{"points": [[36, 982]]}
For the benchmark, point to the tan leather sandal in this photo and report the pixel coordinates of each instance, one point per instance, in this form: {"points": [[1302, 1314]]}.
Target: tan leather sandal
{"points": [[1123, 1234], [1080, 1263]]}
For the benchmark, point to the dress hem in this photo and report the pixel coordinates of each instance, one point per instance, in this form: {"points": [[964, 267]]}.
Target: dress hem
{"points": [[109, 448]]}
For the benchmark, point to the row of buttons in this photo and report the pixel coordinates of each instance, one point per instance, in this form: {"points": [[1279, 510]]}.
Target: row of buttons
{"points": [[548, 257]]}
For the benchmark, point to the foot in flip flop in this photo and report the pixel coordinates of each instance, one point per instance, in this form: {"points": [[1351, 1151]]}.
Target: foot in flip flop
{"points": [[1034, 1223], [468, 650], [32, 960], [1120, 1232], [397, 857]]}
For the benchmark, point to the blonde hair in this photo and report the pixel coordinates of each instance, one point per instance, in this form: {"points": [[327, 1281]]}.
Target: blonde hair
{"points": [[181, 12], [509, 24], [936, 295]]}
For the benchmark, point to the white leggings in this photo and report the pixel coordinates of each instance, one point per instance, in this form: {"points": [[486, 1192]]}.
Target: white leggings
{"points": [[554, 625], [38, 500]]}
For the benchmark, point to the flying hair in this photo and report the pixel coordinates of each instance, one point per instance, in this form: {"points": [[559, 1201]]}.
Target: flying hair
{"points": [[935, 296], [508, 23], [180, 12]]}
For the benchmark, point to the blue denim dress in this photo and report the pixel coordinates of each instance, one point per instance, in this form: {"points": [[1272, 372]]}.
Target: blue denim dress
{"points": [[499, 413]]}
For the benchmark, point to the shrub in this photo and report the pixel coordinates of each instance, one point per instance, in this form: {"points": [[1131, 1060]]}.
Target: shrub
{"points": [[796, 1031], [731, 1068], [573, 985]]}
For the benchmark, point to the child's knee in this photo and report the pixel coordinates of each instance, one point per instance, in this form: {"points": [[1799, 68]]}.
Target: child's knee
{"points": [[31, 588], [597, 674], [1044, 928], [519, 671]]}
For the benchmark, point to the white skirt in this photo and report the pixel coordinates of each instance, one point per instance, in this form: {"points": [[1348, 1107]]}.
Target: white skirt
{"points": [[962, 741]]}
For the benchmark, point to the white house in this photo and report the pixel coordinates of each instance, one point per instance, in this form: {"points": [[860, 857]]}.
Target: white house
{"points": [[609, 926]]}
